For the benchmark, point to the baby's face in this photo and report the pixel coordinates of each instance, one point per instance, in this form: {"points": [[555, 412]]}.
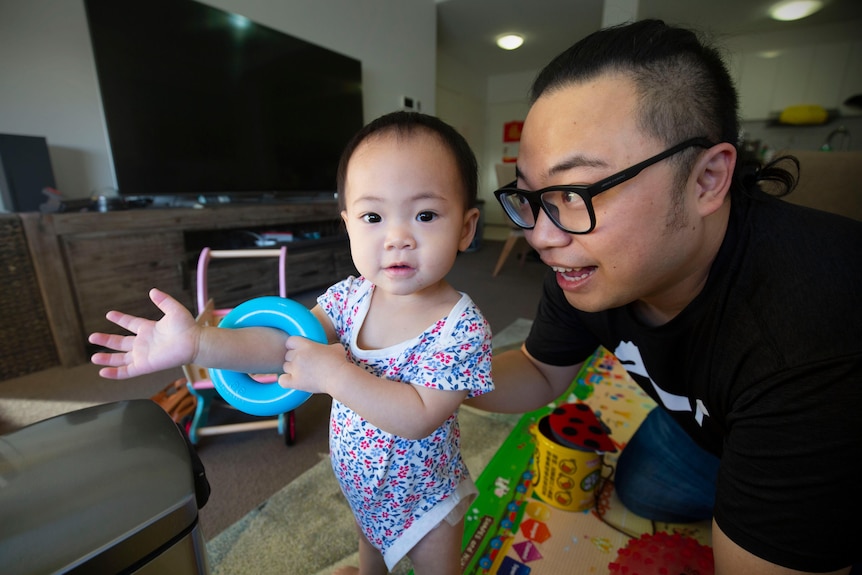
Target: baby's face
{"points": [[404, 211]]}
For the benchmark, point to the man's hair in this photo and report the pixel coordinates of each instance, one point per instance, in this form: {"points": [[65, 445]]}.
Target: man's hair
{"points": [[683, 87], [406, 124]]}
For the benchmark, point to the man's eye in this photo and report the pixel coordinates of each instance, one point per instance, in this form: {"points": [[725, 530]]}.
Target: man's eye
{"points": [[426, 216], [371, 218]]}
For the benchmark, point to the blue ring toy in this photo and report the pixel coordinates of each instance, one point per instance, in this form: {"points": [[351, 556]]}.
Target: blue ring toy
{"points": [[239, 389]]}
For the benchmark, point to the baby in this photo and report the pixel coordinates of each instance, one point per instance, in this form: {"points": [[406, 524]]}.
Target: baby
{"points": [[410, 347]]}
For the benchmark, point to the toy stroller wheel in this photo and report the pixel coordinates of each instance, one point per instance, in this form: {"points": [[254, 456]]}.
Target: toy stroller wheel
{"points": [[239, 389], [290, 432]]}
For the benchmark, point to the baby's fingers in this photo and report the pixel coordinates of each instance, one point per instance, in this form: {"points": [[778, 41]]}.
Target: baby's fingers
{"points": [[128, 322], [108, 359], [121, 372], [112, 341]]}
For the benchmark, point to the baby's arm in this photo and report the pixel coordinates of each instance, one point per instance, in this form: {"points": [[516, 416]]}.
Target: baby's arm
{"points": [[176, 340], [409, 411]]}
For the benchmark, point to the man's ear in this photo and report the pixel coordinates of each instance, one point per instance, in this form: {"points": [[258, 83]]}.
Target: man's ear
{"points": [[713, 175], [468, 230]]}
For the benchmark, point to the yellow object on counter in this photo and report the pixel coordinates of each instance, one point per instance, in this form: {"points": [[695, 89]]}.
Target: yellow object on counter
{"points": [[804, 114]]}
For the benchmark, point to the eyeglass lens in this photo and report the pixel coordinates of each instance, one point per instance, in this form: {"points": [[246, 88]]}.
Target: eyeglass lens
{"points": [[565, 208]]}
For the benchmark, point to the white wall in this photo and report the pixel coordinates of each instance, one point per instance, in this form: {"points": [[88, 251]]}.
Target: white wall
{"points": [[508, 100], [49, 86]]}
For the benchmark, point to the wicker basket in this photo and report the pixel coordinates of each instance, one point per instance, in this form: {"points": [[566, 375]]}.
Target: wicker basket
{"points": [[26, 344]]}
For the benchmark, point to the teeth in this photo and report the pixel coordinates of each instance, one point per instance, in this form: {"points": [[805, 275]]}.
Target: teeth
{"points": [[568, 273]]}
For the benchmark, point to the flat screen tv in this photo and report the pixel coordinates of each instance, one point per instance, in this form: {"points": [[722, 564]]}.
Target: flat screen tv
{"points": [[202, 102]]}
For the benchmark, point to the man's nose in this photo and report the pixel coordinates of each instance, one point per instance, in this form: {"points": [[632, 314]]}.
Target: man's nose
{"points": [[545, 234]]}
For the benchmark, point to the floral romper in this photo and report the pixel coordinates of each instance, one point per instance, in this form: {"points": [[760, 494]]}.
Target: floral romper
{"points": [[399, 489]]}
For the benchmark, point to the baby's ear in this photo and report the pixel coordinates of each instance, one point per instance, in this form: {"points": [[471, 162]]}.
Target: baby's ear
{"points": [[468, 230]]}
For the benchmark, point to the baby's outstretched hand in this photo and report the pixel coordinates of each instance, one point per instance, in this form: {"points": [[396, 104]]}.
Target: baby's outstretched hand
{"points": [[156, 345]]}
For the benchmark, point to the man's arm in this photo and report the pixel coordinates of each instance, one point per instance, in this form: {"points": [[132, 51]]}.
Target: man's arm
{"points": [[522, 383], [731, 559]]}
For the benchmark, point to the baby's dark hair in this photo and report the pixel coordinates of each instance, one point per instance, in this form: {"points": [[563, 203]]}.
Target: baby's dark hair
{"points": [[406, 123]]}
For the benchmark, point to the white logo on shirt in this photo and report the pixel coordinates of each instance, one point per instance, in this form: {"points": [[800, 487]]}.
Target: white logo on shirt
{"points": [[630, 356]]}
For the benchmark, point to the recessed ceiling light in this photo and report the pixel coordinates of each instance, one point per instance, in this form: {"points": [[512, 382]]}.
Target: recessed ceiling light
{"points": [[769, 54], [795, 9], [510, 41]]}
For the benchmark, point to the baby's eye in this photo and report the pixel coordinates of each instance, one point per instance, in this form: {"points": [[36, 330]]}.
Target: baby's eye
{"points": [[426, 216], [371, 218]]}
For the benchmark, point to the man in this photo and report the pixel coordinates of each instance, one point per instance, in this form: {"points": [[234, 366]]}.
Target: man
{"points": [[735, 310]]}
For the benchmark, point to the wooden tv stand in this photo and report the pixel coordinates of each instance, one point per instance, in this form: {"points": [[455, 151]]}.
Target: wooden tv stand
{"points": [[88, 263]]}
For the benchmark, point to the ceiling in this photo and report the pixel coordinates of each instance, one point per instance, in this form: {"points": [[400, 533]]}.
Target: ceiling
{"points": [[467, 29]]}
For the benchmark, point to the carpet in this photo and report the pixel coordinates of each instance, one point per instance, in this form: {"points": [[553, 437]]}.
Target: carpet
{"points": [[16, 413], [307, 527]]}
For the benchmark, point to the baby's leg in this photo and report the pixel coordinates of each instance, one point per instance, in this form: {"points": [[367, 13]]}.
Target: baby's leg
{"points": [[439, 552], [370, 560]]}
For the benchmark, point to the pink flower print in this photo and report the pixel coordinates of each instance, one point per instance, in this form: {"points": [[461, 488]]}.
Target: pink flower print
{"points": [[443, 357]]}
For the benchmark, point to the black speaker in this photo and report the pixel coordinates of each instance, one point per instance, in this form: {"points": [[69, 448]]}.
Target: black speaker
{"points": [[25, 169]]}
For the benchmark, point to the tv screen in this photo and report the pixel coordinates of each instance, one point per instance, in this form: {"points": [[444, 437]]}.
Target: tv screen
{"points": [[199, 101]]}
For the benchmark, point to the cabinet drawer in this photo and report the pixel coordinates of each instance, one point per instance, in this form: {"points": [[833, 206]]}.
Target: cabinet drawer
{"points": [[309, 269], [233, 281], [343, 262], [116, 271]]}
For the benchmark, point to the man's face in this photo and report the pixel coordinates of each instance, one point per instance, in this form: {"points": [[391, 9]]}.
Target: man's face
{"points": [[644, 246]]}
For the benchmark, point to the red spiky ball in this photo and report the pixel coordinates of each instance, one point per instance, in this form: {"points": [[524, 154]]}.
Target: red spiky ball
{"points": [[663, 554]]}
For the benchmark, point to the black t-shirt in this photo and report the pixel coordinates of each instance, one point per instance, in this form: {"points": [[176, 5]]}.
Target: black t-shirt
{"points": [[764, 369]]}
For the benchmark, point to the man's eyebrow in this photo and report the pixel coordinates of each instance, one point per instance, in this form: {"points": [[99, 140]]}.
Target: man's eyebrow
{"points": [[576, 161]]}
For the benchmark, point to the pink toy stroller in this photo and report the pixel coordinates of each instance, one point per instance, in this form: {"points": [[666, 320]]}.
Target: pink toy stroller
{"points": [[199, 382]]}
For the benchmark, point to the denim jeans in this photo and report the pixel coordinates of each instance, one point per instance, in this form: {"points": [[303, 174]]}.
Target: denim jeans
{"points": [[663, 475]]}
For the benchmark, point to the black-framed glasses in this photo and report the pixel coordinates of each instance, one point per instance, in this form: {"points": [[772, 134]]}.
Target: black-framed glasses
{"points": [[570, 207]]}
